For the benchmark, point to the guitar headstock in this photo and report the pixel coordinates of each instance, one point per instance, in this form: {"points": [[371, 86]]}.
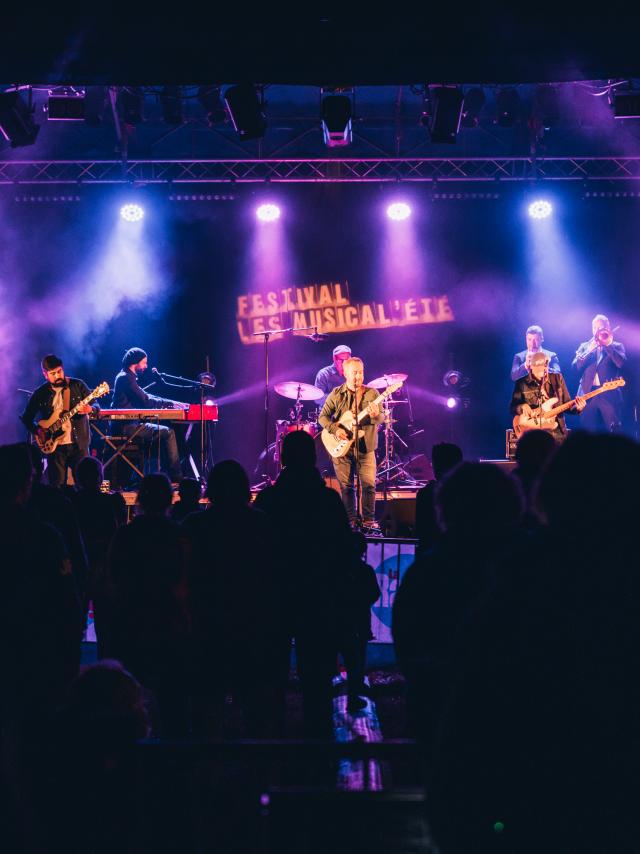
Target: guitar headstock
{"points": [[391, 389], [100, 390], [614, 383]]}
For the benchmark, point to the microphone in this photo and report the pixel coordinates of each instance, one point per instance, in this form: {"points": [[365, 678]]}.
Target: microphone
{"points": [[317, 336], [156, 372]]}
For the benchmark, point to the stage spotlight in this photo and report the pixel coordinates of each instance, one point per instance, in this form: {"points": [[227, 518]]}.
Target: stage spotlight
{"points": [[336, 113], [207, 378], [130, 101], [172, 105], [66, 105], [444, 113], [399, 211], [131, 213], [16, 120], [545, 109], [508, 108], [626, 105], [268, 213], [540, 209], [471, 107], [246, 110], [209, 97], [453, 402], [453, 379]]}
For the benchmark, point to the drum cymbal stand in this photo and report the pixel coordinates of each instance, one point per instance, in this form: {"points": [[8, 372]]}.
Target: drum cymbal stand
{"points": [[390, 470]]}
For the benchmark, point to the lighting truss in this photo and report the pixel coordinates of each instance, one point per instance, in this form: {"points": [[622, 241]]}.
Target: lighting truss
{"points": [[319, 170]]}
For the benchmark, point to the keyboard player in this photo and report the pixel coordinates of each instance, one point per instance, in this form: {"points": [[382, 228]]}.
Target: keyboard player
{"points": [[127, 394]]}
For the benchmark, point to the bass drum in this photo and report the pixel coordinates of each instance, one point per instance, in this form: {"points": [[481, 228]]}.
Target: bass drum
{"points": [[283, 428]]}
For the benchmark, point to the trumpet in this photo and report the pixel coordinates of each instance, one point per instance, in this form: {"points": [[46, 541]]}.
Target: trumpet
{"points": [[602, 338]]}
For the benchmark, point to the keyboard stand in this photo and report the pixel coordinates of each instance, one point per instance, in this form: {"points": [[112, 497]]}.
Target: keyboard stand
{"points": [[119, 451]]}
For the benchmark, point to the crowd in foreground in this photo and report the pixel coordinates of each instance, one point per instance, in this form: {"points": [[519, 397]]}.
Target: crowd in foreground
{"points": [[516, 629]]}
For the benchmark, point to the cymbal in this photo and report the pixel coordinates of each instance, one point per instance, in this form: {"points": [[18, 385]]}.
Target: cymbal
{"points": [[387, 380], [295, 390]]}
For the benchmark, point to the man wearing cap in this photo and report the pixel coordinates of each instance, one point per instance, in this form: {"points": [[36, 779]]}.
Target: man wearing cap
{"points": [[534, 337], [127, 394], [332, 375], [538, 386], [57, 394]]}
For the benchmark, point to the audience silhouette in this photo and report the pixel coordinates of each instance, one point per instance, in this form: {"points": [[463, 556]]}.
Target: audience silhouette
{"points": [[313, 548], [444, 457], [146, 620], [234, 599]]}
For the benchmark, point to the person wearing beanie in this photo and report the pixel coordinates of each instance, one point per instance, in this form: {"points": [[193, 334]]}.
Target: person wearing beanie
{"points": [[332, 375], [57, 394], [128, 394]]}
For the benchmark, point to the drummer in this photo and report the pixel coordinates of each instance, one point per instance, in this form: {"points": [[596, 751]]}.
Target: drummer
{"points": [[332, 375]]}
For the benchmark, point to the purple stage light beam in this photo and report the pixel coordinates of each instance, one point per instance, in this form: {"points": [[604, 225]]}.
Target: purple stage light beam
{"points": [[401, 253]]}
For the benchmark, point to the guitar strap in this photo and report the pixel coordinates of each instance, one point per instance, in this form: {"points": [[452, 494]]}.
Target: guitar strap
{"points": [[66, 398]]}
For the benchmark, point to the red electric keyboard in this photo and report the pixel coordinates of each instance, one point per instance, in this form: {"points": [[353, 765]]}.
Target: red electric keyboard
{"points": [[190, 412]]}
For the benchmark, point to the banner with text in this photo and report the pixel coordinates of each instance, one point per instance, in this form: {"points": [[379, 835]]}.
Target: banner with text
{"points": [[328, 307]]}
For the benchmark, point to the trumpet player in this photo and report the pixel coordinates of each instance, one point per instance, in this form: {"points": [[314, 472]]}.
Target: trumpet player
{"points": [[522, 360], [597, 361]]}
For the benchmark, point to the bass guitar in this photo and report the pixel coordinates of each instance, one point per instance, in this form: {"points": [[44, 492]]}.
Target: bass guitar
{"points": [[51, 430], [544, 417], [339, 447]]}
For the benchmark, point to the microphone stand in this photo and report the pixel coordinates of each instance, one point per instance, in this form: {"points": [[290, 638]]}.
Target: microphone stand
{"points": [[203, 388], [266, 336]]}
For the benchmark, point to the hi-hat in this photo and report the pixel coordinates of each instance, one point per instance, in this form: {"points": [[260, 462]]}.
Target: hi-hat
{"points": [[387, 380], [298, 391]]}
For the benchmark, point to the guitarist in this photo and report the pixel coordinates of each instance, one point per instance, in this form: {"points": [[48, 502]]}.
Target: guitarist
{"points": [[539, 385], [354, 396], [59, 394]]}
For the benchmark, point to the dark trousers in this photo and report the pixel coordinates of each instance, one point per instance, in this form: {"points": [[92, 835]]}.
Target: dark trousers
{"points": [[345, 469], [161, 439], [64, 457], [602, 414]]}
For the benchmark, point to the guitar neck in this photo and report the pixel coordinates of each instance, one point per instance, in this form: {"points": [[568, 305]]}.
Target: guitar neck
{"points": [[77, 407], [558, 410], [362, 415]]}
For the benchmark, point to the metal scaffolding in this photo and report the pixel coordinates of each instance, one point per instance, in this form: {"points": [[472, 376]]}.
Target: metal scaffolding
{"points": [[320, 170]]}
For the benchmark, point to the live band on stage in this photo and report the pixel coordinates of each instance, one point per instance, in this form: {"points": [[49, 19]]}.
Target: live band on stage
{"points": [[347, 418]]}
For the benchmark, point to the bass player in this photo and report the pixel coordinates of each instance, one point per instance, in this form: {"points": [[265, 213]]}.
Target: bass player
{"points": [[537, 387], [359, 463], [59, 394]]}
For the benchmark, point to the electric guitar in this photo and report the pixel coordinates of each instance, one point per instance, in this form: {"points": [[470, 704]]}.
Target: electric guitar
{"points": [[339, 447], [544, 417], [53, 427]]}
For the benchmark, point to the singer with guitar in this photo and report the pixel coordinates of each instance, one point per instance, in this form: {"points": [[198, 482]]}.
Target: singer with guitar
{"points": [[597, 361], [57, 395], [533, 391], [359, 463]]}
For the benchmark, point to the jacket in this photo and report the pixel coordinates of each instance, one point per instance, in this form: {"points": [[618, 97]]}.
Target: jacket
{"points": [[40, 407]]}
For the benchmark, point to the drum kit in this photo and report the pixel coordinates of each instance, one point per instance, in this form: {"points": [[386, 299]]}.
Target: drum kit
{"points": [[390, 467]]}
